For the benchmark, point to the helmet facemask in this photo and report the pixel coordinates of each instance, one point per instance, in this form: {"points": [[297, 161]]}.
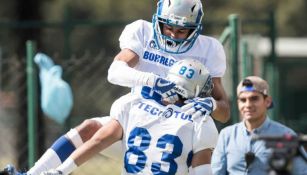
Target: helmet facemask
{"points": [[178, 13], [207, 88]]}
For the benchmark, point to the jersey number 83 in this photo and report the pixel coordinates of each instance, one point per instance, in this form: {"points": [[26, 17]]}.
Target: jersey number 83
{"points": [[135, 158]]}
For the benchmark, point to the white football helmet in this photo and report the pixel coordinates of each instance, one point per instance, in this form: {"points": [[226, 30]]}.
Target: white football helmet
{"points": [[191, 78], [180, 13]]}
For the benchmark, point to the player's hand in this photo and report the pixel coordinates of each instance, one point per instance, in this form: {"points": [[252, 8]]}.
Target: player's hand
{"points": [[199, 107], [52, 172], [166, 89]]}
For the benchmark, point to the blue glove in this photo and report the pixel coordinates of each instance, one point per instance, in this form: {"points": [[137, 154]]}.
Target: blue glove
{"points": [[166, 89], [199, 107]]}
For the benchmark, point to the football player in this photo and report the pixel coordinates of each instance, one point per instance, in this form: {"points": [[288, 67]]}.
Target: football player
{"points": [[157, 136], [148, 50]]}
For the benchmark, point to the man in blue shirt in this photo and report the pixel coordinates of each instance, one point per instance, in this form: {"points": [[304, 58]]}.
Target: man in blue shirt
{"points": [[236, 152]]}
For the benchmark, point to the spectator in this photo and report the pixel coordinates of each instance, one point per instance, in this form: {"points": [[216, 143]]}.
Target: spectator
{"points": [[236, 152]]}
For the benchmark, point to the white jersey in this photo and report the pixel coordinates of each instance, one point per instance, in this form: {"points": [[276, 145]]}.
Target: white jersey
{"points": [[139, 37], [159, 139]]}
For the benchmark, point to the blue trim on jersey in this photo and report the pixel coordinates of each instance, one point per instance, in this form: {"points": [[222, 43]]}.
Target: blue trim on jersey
{"points": [[63, 148]]}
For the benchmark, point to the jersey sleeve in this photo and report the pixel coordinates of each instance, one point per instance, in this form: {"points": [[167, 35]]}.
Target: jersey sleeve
{"points": [[205, 135], [121, 107], [132, 37], [217, 59]]}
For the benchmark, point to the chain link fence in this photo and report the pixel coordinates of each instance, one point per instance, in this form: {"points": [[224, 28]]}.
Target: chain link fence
{"points": [[85, 55], [93, 96], [11, 76]]}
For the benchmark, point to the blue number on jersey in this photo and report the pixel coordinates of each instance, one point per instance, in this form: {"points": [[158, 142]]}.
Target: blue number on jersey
{"points": [[167, 156], [141, 137]]}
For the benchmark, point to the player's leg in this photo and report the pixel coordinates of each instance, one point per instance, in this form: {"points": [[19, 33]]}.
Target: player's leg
{"points": [[64, 146], [115, 151]]}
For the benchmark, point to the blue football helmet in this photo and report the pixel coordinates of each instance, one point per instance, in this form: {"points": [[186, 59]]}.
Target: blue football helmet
{"points": [[191, 78], [180, 13]]}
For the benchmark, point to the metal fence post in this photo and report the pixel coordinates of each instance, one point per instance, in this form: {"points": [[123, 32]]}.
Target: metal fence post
{"points": [[67, 28], [234, 41], [273, 74], [0, 68], [225, 35], [32, 103], [247, 60]]}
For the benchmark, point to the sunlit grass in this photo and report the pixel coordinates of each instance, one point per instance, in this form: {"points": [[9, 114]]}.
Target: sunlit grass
{"points": [[99, 165]]}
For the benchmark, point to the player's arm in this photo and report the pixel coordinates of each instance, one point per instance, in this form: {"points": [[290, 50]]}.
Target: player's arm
{"points": [[121, 71], [127, 56], [102, 139], [205, 137], [201, 163], [222, 111]]}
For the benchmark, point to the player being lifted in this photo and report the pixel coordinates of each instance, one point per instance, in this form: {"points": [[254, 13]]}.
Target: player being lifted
{"points": [[148, 50], [157, 136]]}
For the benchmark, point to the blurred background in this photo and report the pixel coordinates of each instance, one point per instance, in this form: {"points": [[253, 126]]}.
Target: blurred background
{"points": [[82, 37]]}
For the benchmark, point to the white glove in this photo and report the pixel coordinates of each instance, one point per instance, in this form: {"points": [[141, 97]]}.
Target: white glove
{"points": [[199, 107], [166, 89], [52, 172]]}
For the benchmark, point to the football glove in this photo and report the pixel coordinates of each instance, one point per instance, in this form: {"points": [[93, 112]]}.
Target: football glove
{"points": [[199, 107], [52, 172], [166, 89]]}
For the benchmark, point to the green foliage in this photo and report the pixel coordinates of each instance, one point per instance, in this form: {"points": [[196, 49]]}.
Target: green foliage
{"points": [[100, 9], [290, 14]]}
